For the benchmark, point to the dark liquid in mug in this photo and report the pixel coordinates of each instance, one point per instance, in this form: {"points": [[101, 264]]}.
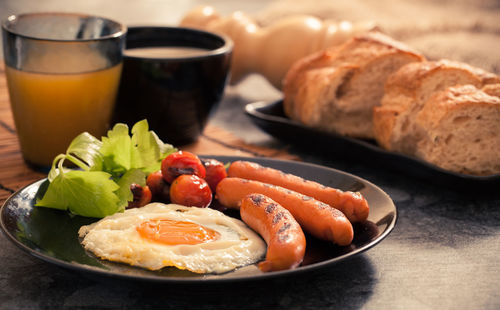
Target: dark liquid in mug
{"points": [[173, 91]]}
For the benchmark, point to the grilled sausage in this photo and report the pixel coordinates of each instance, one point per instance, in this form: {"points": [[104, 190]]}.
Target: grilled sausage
{"points": [[315, 217], [286, 243], [352, 204]]}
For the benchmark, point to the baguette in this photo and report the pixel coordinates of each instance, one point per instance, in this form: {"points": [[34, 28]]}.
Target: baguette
{"points": [[460, 130], [492, 90], [406, 92], [335, 90]]}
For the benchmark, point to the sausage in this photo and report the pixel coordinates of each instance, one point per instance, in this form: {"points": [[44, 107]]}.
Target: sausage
{"points": [[315, 217], [352, 204], [286, 243]]}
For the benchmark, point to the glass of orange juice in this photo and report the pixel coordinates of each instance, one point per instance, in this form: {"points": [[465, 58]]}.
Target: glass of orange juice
{"points": [[63, 72]]}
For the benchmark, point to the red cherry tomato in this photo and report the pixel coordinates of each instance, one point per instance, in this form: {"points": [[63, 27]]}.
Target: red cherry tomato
{"points": [[215, 172], [142, 196], [190, 190], [179, 163], [159, 188]]}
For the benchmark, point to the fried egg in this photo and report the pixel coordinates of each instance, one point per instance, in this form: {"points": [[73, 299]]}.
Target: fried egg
{"points": [[158, 235]]}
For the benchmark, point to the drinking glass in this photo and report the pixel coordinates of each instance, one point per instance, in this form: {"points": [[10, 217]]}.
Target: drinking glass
{"points": [[63, 72]]}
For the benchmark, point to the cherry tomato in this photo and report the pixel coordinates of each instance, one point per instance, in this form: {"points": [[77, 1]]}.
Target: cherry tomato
{"points": [[159, 188], [142, 196], [179, 163], [190, 190], [215, 172]]}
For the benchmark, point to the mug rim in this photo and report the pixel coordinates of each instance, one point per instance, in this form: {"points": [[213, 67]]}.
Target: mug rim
{"points": [[226, 48], [122, 28]]}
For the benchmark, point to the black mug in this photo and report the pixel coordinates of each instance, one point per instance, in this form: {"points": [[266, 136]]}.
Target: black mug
{"points": [[176, 90]]}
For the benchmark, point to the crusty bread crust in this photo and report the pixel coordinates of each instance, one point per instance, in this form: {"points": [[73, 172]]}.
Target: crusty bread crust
{"points": [[335, 89], [318, 83], [492, 90], [460, 131], [408, 89], [384, 123], [444, 112], [296, 77]]}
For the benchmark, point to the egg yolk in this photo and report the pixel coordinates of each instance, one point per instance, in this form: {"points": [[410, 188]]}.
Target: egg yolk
{"points": [[175, 232]]}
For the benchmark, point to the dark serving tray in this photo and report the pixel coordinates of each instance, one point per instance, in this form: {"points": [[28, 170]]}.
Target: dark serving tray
{"points": [[269, 116]]}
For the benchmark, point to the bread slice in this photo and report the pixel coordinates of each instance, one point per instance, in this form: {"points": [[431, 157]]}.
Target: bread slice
{"points": [[460, 131], [492, 90], [407, 90], [335, 90]]}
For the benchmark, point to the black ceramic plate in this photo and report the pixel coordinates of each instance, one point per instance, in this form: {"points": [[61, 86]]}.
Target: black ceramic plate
{"points": [[51, 235], [271, 118]]}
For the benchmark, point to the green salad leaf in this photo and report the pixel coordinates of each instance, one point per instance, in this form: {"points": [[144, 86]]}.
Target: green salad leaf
{"points": [[107, 168], [86, 147], [140, 151], [116, 150], [136, 176], [83, 151], [86, 193]]}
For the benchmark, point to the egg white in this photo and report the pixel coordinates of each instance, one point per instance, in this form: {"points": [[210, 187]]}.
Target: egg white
{"points": [[115, 238]]}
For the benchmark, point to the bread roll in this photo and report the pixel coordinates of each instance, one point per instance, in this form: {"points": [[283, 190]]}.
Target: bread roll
{"points": [[335, 90], [460, 131], [407, 90]]}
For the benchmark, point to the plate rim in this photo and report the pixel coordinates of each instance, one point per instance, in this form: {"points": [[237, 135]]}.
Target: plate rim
{"points": [[253, 110], [198, 280]]}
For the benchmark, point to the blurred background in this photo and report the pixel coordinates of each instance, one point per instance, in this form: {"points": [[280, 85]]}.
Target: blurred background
{"points": [[465, 30], [462, 30], [130, 12]]}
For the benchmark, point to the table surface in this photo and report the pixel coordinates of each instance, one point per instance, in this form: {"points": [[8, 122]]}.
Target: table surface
{"points": [[442, 254]]}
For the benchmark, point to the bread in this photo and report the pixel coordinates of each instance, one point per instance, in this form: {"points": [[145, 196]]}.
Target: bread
{"points": [[492, 90], [444, 112], [335, 90], [460, 130], [407, 90]]}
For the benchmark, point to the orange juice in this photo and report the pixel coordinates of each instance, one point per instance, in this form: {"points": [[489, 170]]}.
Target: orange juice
{"points": [[52, 109]]}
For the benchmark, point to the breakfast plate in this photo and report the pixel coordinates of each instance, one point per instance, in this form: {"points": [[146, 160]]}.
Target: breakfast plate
{"points": [[52, 235], [269, 116]]}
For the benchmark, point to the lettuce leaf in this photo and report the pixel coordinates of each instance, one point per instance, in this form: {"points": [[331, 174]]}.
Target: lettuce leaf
{"points": [[86, 193], [140, 151], [107, 168], [86, 148], [83, 151], [132, 176], [116, 150]]}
